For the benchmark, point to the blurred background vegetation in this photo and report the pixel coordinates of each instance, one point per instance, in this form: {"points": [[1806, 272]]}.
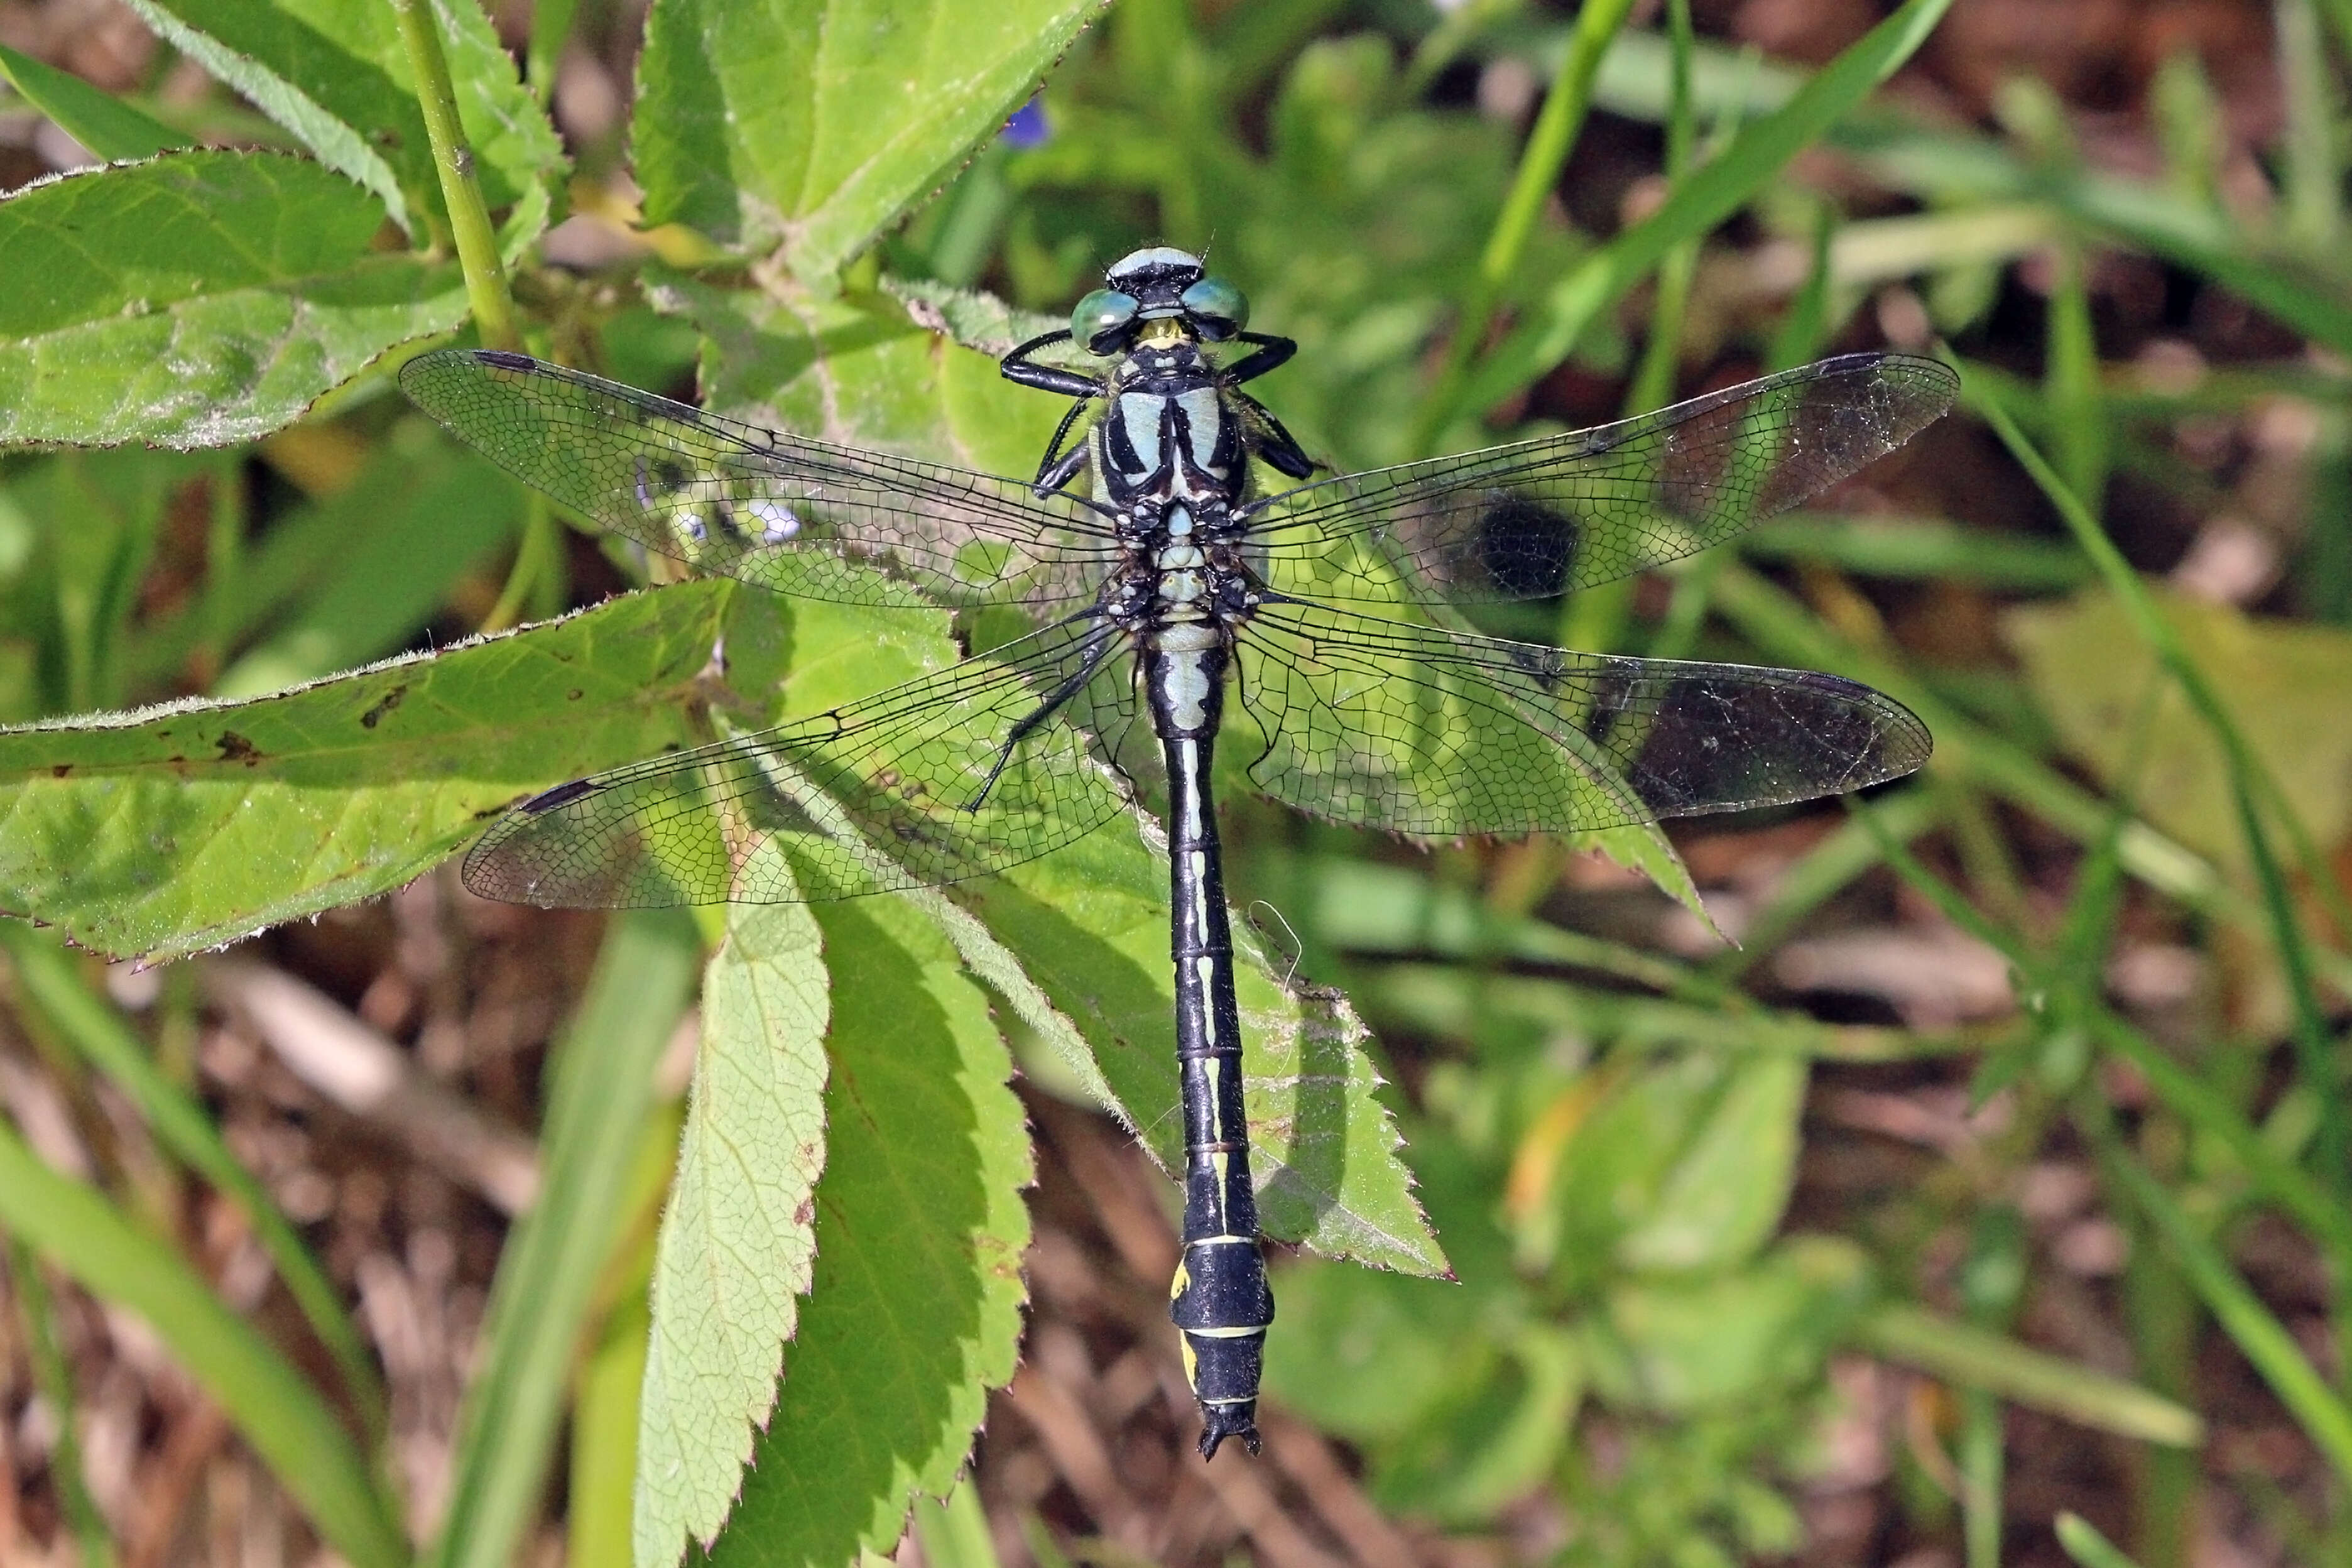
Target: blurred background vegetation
{"points": [[1987, 1203]]}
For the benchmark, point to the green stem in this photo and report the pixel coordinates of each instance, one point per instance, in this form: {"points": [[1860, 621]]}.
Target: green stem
{"points": [[2087, 1546], [534, 555], [1546, 153], [453, 160]]}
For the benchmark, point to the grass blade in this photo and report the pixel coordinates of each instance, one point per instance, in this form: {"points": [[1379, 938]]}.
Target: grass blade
{"points": [[54, 1378], [1541, 162], [2259, 1337], [46, 976], [100, 122], [2087, 1546], [2248, 778], [1711, 194], [1974, 1358], [77, 1228], [597, 1113]]}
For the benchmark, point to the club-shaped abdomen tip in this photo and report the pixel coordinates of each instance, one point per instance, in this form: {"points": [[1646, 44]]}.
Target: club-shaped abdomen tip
{"points": [[1220, 1421]]}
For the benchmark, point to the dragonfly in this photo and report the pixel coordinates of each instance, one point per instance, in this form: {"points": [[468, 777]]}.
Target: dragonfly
{"points": [[1203, 578]]}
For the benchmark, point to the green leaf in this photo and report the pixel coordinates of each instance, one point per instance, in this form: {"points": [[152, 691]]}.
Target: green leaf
{"points": [[76, 1227], [813, 126], [1683, 1165], [100, 122], [1724, 1195], [2291, 689], [1493, 1437], [860, 370], [596, 1115], [162, 831], [1680, 1346], [915, 1311], [196, 300], [737, 1237], [333, 73]]}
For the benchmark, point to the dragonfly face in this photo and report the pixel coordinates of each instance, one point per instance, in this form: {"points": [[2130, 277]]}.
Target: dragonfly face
{"points": [[1169, 596]]}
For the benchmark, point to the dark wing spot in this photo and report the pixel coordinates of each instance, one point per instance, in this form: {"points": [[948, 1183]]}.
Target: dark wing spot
{"points": [[561, 794], [1528, 548], [505, 361], [236, 748]]}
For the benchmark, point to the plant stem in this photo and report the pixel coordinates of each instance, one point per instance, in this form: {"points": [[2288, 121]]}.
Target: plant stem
{"points": [[453, 160]]}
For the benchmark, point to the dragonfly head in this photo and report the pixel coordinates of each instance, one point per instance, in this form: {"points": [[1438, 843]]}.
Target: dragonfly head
{"points": [[1155, 285]]}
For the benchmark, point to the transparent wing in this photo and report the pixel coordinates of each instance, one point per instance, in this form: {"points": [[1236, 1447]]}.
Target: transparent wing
{"points": [[1431, 733], [1575, 510], [983, 765], [797, 516]]}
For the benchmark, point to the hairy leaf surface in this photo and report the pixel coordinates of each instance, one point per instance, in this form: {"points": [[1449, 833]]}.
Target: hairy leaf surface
{"points": [[335, 74], [162, 831], [197, 299], [915, 1311], [762, 124]]}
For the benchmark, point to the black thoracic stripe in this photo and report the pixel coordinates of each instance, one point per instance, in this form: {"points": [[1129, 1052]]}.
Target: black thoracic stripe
{"points": [[1220, 1301]]}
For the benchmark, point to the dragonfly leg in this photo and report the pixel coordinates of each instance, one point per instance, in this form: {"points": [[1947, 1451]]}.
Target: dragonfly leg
{"points": [[1103, 644], [1273, 352], [1275, 444], [1016, 367], [1057, 467]]}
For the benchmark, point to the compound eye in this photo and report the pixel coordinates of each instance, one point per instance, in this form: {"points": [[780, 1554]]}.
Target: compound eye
{"points": [[1216, 307], [1100, 318]]}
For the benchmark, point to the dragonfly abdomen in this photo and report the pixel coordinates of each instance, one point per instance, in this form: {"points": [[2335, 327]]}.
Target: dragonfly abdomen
{"points": [[1220, 1301]]}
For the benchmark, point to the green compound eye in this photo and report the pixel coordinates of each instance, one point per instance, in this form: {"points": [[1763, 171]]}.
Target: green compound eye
{"points": [[1100, 318], [1216, 307]]}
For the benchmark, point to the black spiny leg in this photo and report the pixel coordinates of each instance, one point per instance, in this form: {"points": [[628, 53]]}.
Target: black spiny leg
{"points": [[1275, 444], [1057, 468], [1272, 353]]}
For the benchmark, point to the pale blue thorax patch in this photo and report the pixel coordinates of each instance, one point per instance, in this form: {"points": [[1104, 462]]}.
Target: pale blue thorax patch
{"points": [[1204, 419], [1140, 412]]}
